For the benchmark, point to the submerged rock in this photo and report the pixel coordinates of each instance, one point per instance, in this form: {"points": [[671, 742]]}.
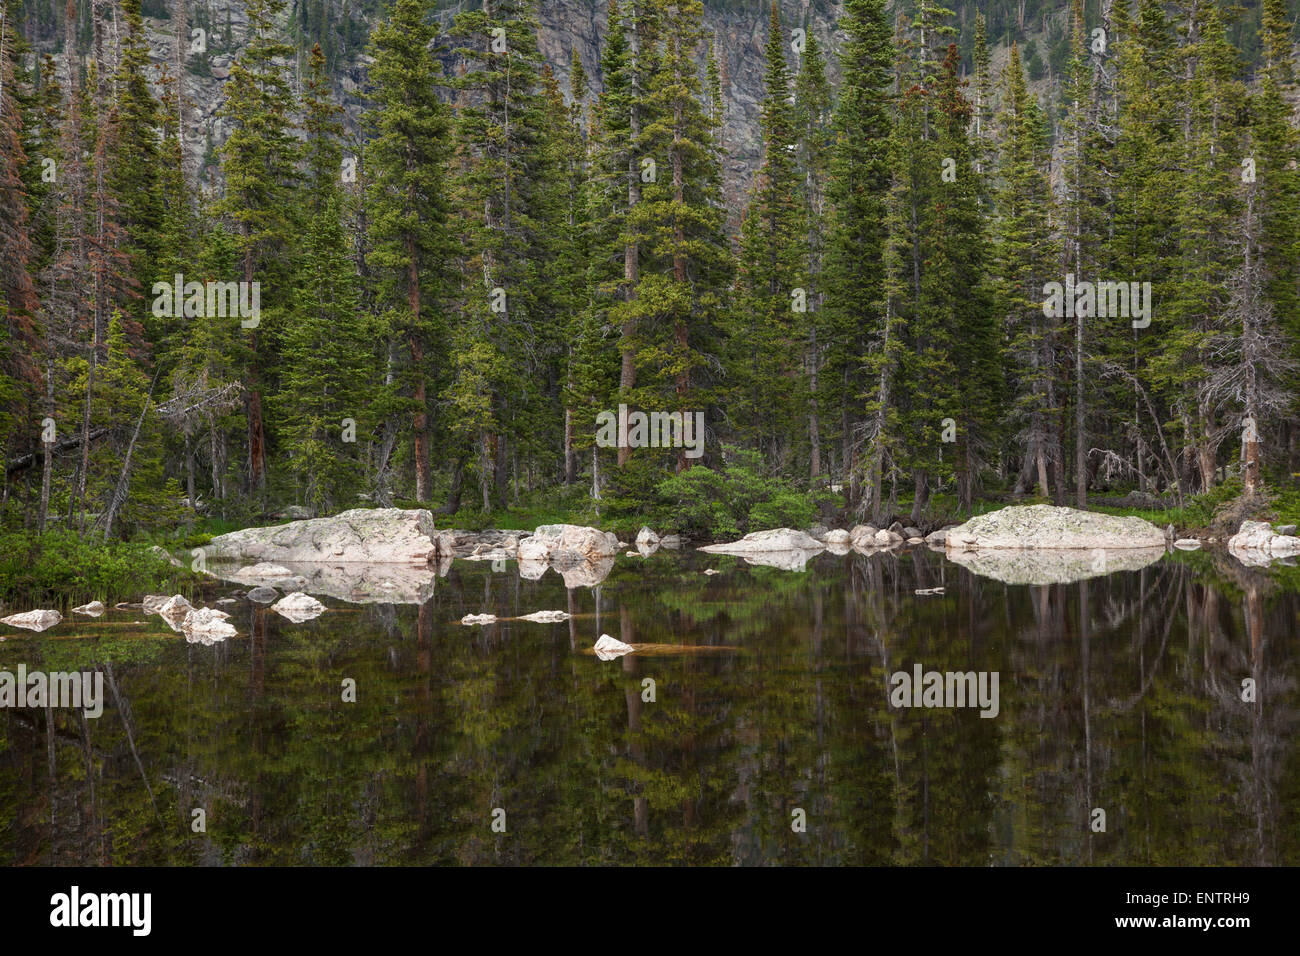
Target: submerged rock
{"points": [[346, 581], [93, 609], [298, 607], [608, 648], [39, 620], [546, 617], [1047, 527], [263, 571], [1053, 565], [263, 595], [586, 573], [767, 542]]}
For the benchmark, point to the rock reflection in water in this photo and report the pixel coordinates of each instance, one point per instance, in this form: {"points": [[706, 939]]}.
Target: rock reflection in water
{"points": [[1123, 692]]}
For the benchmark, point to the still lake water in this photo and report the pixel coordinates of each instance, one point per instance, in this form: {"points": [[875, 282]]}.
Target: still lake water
{"points": [[1122, 693]]}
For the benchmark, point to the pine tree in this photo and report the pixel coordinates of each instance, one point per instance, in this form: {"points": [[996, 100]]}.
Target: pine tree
{"points": [[408, 205], [18, 301], [506, 202], [860, 181], [1025, 259], [812, 104], [766, 331], [686, 264], [325, 374], [259, 161], [136, 171]]}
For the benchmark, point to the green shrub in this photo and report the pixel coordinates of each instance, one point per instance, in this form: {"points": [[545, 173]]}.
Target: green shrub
{"points": [[61, 563], [704, 503]]}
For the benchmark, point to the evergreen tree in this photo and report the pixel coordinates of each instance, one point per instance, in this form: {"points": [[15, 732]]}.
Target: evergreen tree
{"points": [[860, 180], [259, 161], [324, 343], [408, 206], [766, 395]]}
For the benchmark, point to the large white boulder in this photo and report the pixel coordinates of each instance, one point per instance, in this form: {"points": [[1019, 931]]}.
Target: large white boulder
{"points": [[39, 620], [1047, 527], [590, 543], [360, 536], [1257, 544]]}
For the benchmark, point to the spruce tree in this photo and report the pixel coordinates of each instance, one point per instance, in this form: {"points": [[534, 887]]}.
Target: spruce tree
{"points": [[408, 206]]}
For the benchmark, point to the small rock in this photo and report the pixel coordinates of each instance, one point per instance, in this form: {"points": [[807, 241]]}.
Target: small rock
{"points": [[298, 607], [206, 625], [471, 619], [670, 541], [263, 595], [290, 584], [928, 591], [153, 603], [176, 607], [915, 540], [1187, 544], [710, 571], [632, 554], [93, 609], [40, 620], [911, 532], [608, 648], [838, 536], [896, 528], [546, 617], [1285, 529]]}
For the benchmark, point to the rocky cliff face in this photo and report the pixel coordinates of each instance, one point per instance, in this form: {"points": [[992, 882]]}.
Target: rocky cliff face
{"points": [[566, 25], [739, 28]]}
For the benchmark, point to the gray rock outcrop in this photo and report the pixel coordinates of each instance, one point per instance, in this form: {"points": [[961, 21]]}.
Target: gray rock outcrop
{"points": [[1051, 528]]}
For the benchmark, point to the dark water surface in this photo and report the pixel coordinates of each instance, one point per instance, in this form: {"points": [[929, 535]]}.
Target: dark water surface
{"points": [[1122, 693]]}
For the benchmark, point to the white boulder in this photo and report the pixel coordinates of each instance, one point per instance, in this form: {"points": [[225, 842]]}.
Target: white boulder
{"points": [[298, 607], [39, 620], [608, 648], [1047, 527]]}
